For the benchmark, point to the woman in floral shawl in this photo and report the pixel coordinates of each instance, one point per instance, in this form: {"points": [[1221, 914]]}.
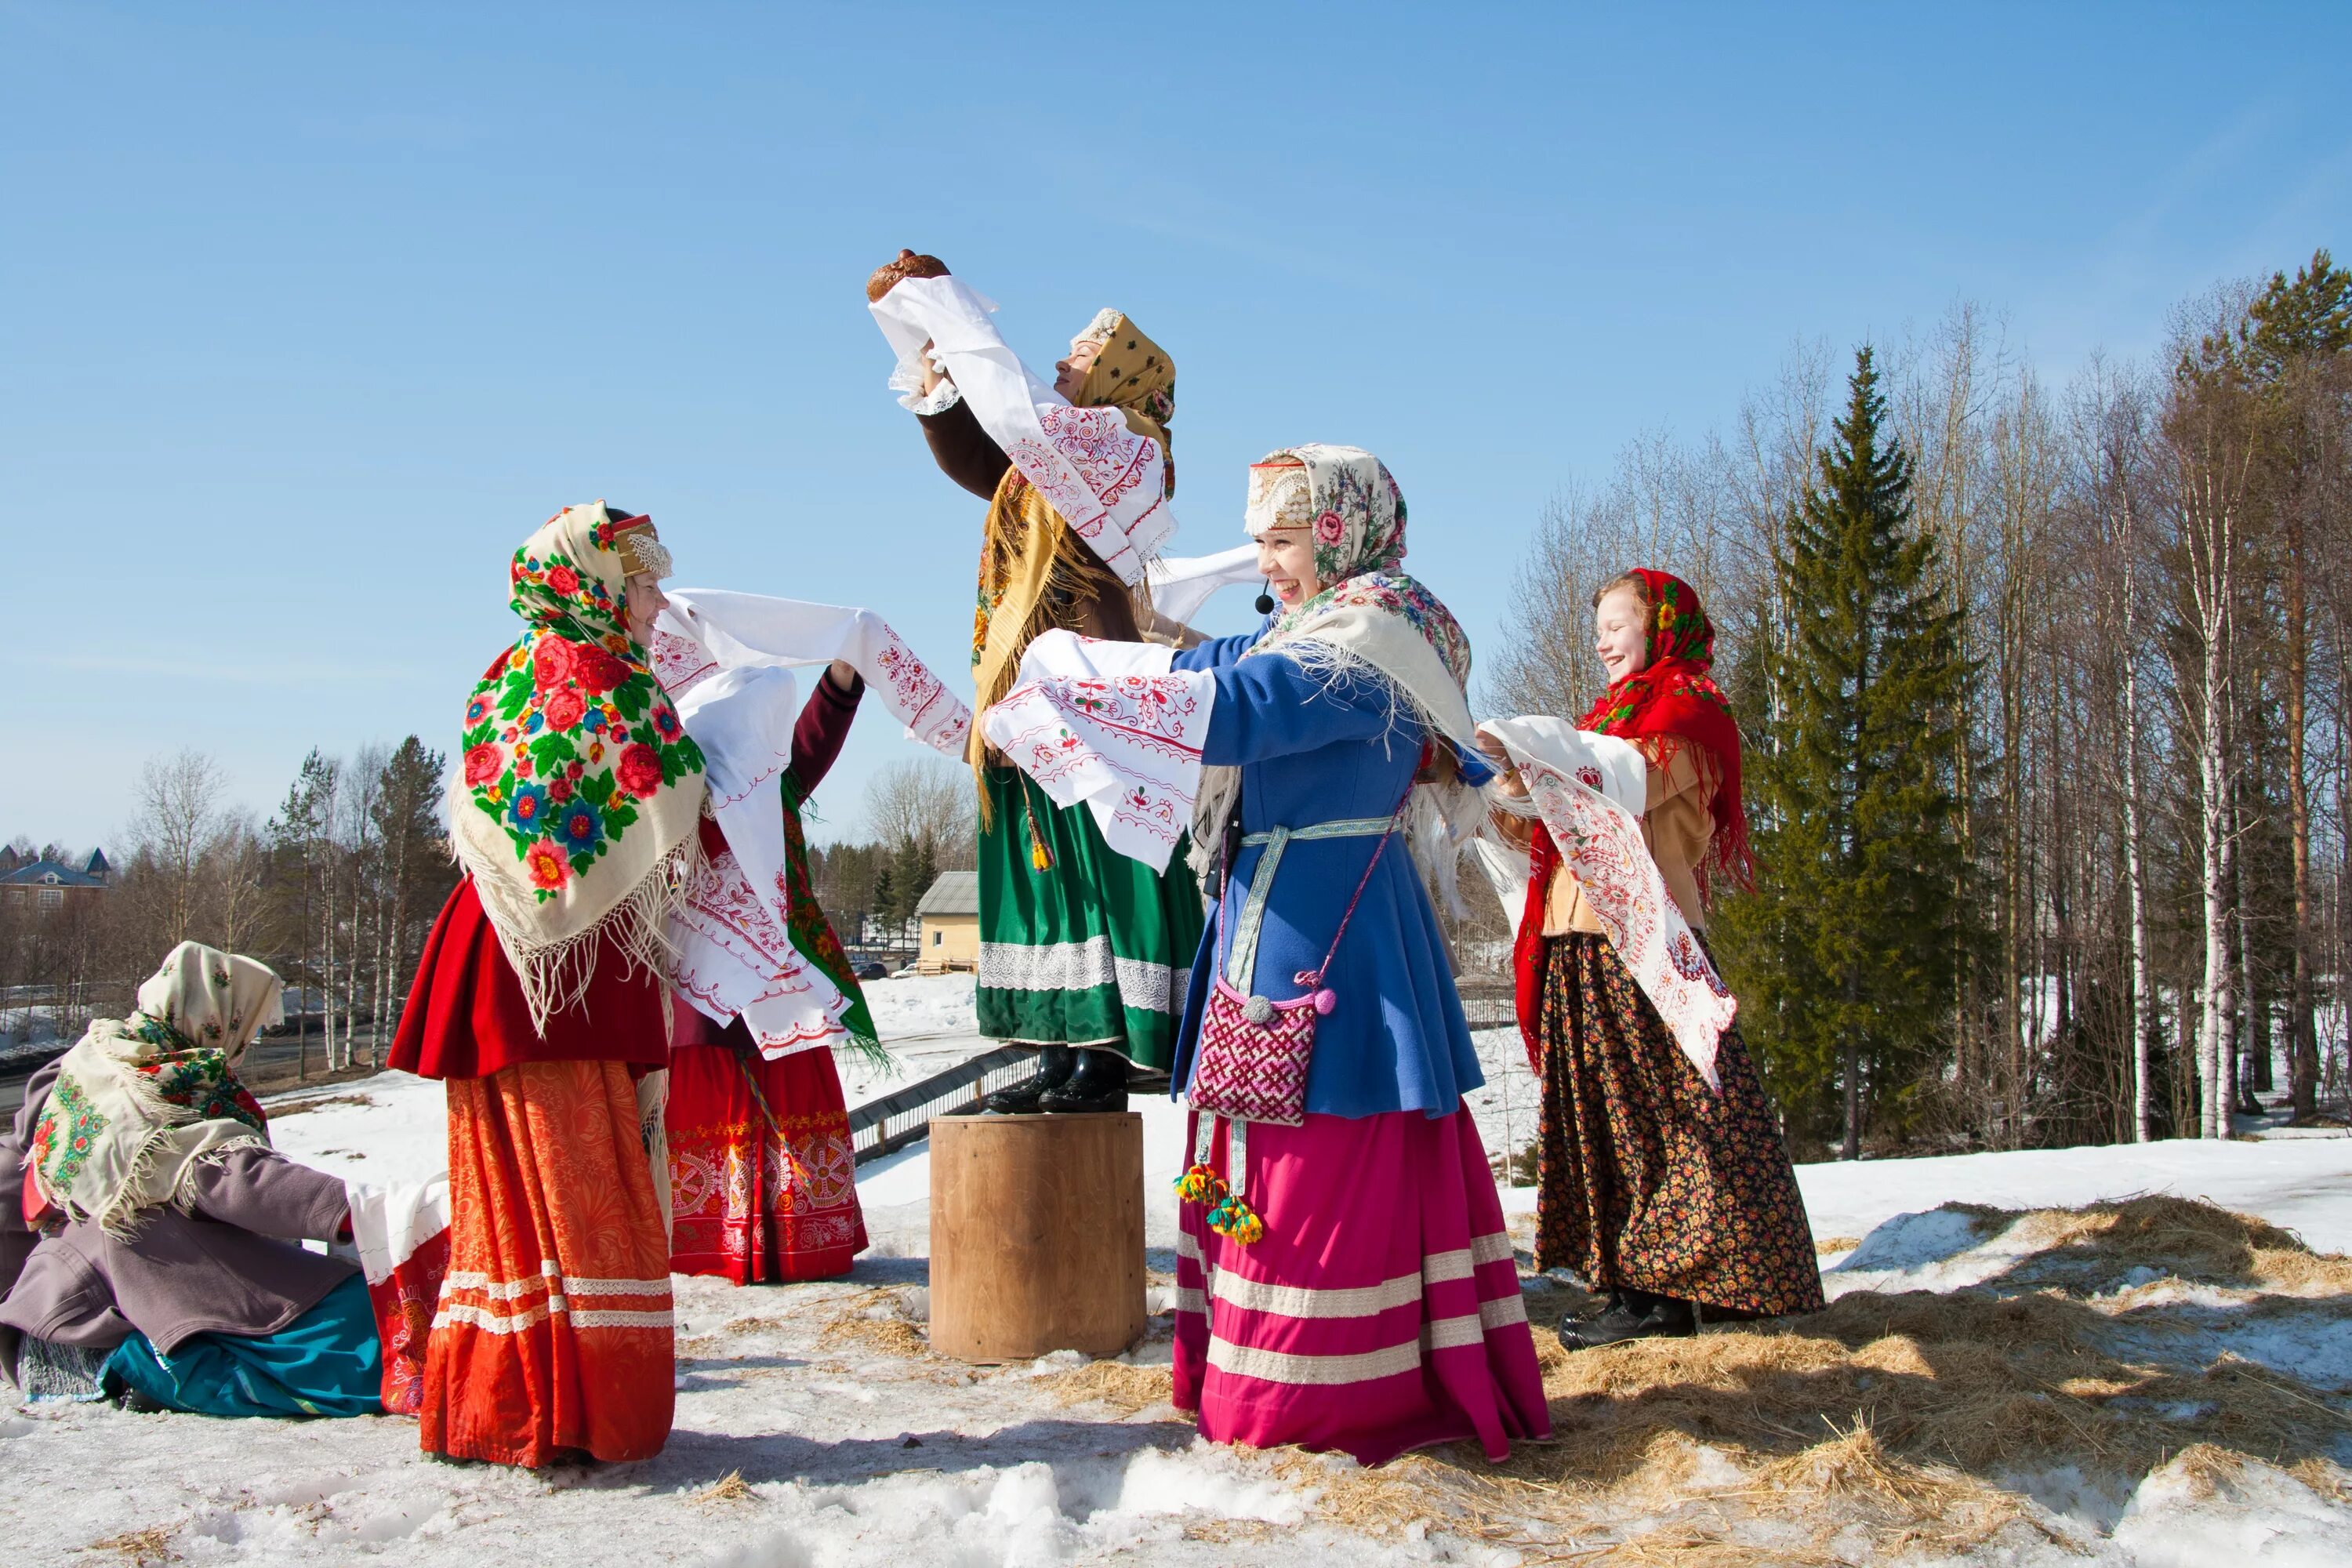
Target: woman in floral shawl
{"points": [[1355, 1290], [160, 1256], [1667, 1194], [540, 999]]}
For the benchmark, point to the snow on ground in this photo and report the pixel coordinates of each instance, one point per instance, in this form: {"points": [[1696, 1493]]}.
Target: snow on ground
{"points": [[2303, 1189], [927, 1021], [2303, 1185], [921, 1005], [814, 1429]]}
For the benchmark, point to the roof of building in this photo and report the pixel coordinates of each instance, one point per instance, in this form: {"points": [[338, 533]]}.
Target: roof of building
{"points": [[952, 893], [49, 873]]}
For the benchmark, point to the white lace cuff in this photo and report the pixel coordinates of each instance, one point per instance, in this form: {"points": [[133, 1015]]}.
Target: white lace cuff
{"points": [[908, 382]]}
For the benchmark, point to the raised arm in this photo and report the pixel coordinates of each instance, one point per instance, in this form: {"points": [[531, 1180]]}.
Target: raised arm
{"points": [[964, 452], [824, 725]]}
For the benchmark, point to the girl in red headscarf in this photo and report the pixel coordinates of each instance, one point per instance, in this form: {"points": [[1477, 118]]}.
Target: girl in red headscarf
{"points": [[1667, 1196]]}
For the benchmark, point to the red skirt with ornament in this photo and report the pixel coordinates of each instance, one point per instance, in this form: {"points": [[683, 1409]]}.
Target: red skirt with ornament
{"points": [[763, 1185]]}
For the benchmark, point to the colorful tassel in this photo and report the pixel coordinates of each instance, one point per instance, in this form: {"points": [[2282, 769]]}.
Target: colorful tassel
{"points": [[1040, 857], [1200, 1185], [1234, 1219]]}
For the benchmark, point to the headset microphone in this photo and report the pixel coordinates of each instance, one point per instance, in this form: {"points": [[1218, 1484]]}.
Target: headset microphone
{"points": [[1265, 600]]}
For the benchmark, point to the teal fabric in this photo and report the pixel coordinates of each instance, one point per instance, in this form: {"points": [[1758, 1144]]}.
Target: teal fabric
{"points": [[327, 1361]]}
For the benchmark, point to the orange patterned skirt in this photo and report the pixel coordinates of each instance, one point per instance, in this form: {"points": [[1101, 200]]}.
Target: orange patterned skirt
{"points": [[553, 1332]]}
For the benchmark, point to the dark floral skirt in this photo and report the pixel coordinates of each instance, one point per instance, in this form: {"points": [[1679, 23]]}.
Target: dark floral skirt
{"points": [[1649, 1181]]}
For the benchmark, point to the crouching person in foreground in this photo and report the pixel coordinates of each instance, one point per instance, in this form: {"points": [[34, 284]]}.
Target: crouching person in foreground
{"points": [[150, 1237]]}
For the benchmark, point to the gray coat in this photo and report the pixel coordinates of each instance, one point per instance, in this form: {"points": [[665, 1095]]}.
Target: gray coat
{"points": [[231, 1267]]}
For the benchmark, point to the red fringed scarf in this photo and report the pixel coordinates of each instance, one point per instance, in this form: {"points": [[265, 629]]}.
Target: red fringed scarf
{"points": [[1670, 698]]}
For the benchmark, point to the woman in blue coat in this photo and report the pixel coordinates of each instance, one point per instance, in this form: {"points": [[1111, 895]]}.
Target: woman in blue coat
{"points": [[1344, 1280]]}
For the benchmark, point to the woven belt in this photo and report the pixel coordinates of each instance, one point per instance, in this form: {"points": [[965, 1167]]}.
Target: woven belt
{"points": [[1240, 959]]}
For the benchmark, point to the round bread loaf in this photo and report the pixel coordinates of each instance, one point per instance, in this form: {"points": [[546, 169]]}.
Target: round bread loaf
{"points": [[906, 265]]}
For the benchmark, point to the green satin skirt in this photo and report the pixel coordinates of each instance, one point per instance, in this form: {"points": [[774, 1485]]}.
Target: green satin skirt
{"points": [[1093, 949]]}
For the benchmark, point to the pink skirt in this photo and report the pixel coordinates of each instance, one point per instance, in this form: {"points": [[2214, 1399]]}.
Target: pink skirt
{"points": [[1381, 1311]]}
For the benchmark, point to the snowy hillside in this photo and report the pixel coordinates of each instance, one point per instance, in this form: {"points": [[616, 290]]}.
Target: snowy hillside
{"points": [[2017, 1367]]}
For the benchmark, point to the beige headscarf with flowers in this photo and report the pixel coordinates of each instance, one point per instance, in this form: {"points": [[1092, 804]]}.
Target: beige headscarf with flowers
{"points": [[141, 1102], [576, 803], [1370, 621]]}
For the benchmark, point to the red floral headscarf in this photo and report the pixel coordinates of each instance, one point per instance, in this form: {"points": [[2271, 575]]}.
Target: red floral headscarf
{"points": [[1672, 698]]}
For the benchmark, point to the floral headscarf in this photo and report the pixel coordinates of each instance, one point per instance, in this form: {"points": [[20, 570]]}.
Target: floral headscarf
{"points": [[1671, 697], [140, 1104], [1134, 376], [1357, 514], [579, 787], [1368, 620]]}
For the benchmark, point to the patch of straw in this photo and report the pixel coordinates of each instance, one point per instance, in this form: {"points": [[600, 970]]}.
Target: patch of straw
{"points": [[887, 1336], [1886, 1423], [729, 1488], [2329, 1479], [153, 1544], [2191, 1241], [875, 1321], [1113, 1383]]}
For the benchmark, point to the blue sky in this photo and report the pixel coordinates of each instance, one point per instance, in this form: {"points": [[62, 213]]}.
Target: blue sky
{"points": [[309, 313]]}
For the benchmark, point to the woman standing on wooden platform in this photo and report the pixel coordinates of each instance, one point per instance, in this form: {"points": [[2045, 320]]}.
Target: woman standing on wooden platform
{"points": [[1082, 948], [540, 998]]}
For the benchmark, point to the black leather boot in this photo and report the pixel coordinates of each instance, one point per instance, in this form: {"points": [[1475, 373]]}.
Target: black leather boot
{"points": [[1055, 1065], [1668, 1320], [1614, 1299], [1099, 1084]]}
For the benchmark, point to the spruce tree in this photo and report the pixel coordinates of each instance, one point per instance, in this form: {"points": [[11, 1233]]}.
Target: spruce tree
{"points": [[886, 901], [1845, 954]]}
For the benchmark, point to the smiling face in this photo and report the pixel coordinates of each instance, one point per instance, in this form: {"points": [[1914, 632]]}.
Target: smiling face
{"points": [[1286, 558], [1070, 374], [1621, 632], [645, 600]]}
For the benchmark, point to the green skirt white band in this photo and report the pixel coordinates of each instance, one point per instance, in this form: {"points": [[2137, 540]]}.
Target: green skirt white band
{"points": [[1092, 949]]}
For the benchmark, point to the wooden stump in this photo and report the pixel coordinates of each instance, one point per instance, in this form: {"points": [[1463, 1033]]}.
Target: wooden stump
{"points": [[1037, 1234]]}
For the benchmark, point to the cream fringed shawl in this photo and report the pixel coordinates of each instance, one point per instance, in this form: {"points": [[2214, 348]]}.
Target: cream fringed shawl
{"points": [[141, 1104], [1376, 622]]}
